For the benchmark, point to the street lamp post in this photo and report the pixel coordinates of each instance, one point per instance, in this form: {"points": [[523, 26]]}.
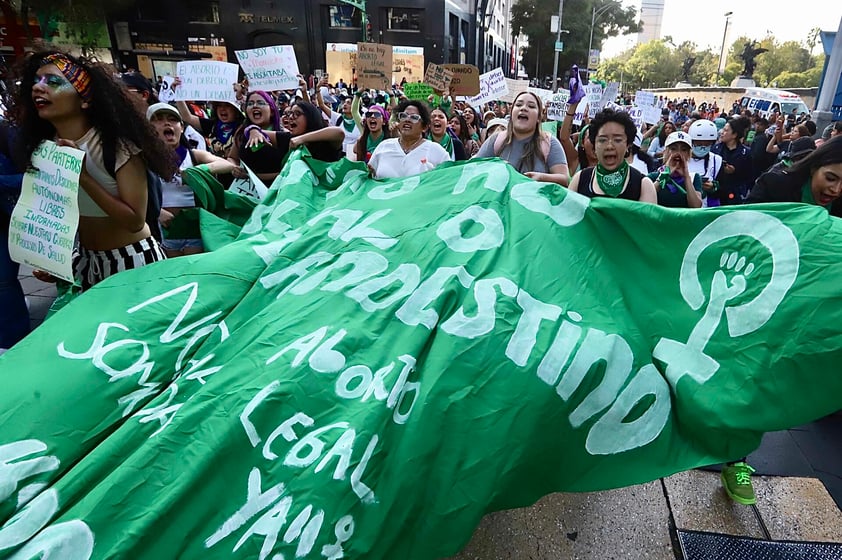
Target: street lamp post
{"points": [[557, 39], [722, 49], [594, 13]]}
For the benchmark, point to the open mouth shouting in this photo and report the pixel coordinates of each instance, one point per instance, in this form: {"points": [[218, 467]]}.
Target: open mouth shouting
{"points": [[40, 102]]}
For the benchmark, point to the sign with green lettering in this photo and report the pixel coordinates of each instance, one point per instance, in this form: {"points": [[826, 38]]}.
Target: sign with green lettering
{"points": [[367, 367], [417, 90], [43, 225]]}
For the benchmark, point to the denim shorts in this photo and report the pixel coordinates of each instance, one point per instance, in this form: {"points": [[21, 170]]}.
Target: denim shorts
{"points": [[181, 244]]}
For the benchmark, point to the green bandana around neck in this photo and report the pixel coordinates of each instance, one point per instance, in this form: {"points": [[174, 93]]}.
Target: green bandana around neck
{"points": [[807, 195], [612, 182], [348, 123]]}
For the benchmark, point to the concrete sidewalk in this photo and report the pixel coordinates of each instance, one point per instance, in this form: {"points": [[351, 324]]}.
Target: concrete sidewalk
{"points": [[640, 522]]}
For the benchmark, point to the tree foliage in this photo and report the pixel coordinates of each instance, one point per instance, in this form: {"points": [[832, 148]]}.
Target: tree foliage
{"points": [[532, 18], [659, 63]]}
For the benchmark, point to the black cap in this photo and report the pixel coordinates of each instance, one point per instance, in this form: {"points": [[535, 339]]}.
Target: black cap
{"points": [[800, 147], [137, 81]]}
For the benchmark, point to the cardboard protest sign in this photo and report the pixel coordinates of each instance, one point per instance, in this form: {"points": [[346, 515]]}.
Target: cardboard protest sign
{"points": [[492, 86], [270, 68], [417, 90], [557, 105], [364, 368], [206, 80], [438, 77], [250, 186], [374, 66], [167, 93], [340, 61], [465, 79], [407, 63], [43, 224]]}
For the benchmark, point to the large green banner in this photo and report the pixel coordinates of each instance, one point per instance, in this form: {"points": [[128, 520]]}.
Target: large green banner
{"points": [[367, 367]]}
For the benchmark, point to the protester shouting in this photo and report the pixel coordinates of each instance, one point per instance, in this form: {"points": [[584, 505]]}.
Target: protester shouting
{"points": [[410, 153]]}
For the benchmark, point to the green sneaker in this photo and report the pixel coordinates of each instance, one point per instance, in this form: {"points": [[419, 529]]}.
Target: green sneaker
{"points": [[736, 479]]}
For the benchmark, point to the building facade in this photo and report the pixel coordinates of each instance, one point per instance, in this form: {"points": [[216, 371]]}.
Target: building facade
{"points": [[156, 34], [652, 15]]}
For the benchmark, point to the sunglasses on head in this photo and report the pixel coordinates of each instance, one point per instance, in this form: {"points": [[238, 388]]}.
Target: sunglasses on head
{"points": [[411, 117]]}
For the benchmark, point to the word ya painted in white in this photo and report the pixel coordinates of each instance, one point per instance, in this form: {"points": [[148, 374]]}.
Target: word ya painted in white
{"points": [[36, 506], [192, 369], [309, 447], [276, 504]]}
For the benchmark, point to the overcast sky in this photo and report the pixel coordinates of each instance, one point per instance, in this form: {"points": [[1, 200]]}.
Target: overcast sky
{"points": [[704, 22]]}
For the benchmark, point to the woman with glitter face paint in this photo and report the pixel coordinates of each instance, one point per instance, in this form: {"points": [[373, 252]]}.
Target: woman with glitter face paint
{"points": [[611, 132], [80, 104]]}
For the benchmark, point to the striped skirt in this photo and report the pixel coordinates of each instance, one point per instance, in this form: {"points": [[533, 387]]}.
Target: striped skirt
{"points": [[92, 267]]}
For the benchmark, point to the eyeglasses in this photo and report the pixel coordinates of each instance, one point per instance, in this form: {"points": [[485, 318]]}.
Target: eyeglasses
{"points": [[617, 140], [52, 81], [256, 104], [373, 114], [411, 117], [295, 114]]}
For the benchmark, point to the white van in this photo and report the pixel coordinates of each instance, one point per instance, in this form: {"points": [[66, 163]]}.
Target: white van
{"points": [[766, 100]]}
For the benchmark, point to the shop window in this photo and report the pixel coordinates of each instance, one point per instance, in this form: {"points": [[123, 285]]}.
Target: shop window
{"points": [[202, 11], [344, 17], [404, 19]]}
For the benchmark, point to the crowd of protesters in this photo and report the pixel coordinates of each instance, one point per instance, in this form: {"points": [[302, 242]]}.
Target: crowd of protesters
{"points": [[137, 149]]}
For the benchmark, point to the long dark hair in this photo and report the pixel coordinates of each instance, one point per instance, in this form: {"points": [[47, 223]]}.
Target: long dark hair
{"points": [[464, 133], [829, 153], [112, 113], [361, 146], [312, 115]]}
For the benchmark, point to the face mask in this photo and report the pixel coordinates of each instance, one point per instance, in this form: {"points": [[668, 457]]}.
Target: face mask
{"points": [[700, 151]]}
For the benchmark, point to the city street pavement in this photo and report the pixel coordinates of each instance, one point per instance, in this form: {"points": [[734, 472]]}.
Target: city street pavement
{"points": [[798, 485]]}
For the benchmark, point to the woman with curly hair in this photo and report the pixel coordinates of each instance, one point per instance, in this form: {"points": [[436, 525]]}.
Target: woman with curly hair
{"points": [[78, 103]]}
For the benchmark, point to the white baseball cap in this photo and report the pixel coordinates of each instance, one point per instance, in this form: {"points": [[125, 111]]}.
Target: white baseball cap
{"points": [[678, 136], [158, 107]]}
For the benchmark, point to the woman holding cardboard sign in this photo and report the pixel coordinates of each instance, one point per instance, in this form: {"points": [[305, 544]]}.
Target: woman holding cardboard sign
{"points": [[79, 104]]}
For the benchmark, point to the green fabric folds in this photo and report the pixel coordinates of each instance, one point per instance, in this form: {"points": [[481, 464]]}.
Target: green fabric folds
{"points": [[362, 369]]}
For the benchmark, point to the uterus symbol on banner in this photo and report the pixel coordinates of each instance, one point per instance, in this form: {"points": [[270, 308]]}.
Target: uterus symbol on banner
{"points": [[735, 280]]}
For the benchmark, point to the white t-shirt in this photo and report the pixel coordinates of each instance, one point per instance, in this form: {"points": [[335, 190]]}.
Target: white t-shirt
{"points": [[389, 161], [350, 137]]}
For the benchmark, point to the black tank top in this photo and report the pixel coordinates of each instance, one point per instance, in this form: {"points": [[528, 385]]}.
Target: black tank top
{"points": [[631, 192]]}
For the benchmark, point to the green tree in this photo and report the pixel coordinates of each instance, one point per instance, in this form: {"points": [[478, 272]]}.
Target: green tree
{"points": [[532, 18]]}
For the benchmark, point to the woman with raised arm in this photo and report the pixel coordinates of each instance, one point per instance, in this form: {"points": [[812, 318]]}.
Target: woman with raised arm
{"points": [[78, 103]]}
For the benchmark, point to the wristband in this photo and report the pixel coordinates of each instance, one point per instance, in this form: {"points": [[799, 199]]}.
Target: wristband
{"points": [[571, 114]]}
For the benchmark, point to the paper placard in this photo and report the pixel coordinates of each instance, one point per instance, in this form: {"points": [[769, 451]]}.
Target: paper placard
{"points": [[651, 115], [557, 105], [438, 77], [543, 94], [515, 87], [43, 225], [609, 94], [636, 114], [644, 98], [374, 66], [270, 68], [465, 79], [579, 114], [166, 93], [251, 186], [417, 90], [206, 80], [492, 85], [593, 94]]}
